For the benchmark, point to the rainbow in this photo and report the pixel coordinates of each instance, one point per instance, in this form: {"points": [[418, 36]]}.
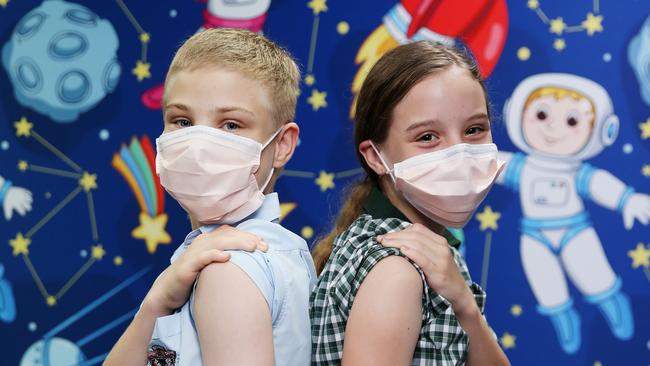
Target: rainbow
{"points": [[136, 164]]}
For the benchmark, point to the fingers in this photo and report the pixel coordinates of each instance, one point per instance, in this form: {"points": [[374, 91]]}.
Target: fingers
{"points": [[211, 256], [628, 220], [415, 234], [229, 238], [423, 230], [20, 209], [8, 211]]}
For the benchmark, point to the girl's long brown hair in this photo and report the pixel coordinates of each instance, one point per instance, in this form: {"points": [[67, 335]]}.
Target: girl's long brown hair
{"points": [[387, 83]]}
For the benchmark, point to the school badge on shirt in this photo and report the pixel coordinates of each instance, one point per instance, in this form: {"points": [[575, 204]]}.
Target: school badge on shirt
{"points": [[158, 355]]}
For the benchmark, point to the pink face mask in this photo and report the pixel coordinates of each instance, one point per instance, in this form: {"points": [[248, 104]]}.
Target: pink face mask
{"points": [[211, 173], [447, 185]]}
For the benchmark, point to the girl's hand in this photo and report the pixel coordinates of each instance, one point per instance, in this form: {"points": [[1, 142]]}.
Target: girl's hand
{"points": [[431, 252], [173, 286]]}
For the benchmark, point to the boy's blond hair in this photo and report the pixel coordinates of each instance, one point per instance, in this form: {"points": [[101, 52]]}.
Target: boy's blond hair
{"points": [[252, 54]]}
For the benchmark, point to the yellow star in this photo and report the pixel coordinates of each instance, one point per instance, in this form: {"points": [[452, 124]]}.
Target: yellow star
{"points": [[118, 261], [97, 252], [557, 26], [50, 300], [646, 170], [22, 165], [307, 232], [593, 24], [145, 37], [141, 70], [508, 340], [318, 6], [152, 231], [325, 181], [23, 127], [488, 219], [640, 256], [645, 129], [523, 53], [516, 310], [88, 181], [343, 28], [4, 3], [317, 100], [598, 363], [559, 44], [286, 208], [533, 4], [310, 79], [20, 244]]}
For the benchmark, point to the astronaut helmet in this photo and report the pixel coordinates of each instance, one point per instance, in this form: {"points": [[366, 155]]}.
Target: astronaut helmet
{"points": [[604, 128]]}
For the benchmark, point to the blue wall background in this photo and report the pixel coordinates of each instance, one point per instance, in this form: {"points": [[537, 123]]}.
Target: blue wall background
{"points": [[83, 273]]}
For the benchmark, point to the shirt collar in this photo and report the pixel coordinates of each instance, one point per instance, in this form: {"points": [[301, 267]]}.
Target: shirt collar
{"points": [[268, 211], [378, 206]]}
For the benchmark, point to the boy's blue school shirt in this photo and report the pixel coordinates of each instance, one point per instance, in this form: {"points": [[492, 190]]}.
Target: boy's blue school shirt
{"points": [[285, 275]]}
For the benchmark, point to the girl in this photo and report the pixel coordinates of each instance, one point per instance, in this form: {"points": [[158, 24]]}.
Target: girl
{"points": [[392, 283]]}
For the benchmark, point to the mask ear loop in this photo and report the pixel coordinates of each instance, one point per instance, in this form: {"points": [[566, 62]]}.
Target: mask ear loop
{"points": [[268, 179], [383, 162]]}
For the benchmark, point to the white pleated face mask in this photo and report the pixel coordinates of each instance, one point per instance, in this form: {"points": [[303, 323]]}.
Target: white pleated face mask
{"points": [[211, 172], [447, 185]]}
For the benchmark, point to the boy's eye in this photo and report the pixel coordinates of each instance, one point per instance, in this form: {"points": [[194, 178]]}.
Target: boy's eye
{"points": [[230, 126], [183, 123]]}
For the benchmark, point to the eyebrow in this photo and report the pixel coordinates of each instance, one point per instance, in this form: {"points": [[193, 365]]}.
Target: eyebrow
{"points": [[234, 109], [433, 122], [218, 110], [176, 105], [416, 125]]}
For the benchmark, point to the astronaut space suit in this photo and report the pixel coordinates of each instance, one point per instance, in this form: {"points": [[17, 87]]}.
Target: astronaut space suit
{"points": [[557, 236]]}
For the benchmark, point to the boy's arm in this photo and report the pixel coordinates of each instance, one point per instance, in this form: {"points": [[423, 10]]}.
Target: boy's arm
{"points": [[232, 318], [172, 288]]}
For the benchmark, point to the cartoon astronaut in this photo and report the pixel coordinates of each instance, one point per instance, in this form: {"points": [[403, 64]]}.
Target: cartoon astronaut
{"points": [[638, 55], [14, 198], [242, 14], [560, 120], [481, 25]]}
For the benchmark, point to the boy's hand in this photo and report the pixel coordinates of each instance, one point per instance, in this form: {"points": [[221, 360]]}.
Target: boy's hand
{"points": [[173, 286]]}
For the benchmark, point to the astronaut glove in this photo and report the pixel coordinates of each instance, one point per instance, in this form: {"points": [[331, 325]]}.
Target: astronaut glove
{"points": [[19, 199], [636, 207]]}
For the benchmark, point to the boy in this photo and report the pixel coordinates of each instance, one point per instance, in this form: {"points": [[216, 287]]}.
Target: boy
{"points": [[230, 98]]}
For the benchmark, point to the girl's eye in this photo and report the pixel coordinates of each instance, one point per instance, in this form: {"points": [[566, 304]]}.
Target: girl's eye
{"points": [[230, 126], [427, 137], [183, 123], [474, 130]]}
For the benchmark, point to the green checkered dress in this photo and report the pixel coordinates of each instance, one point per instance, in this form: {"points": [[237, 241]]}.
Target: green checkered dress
{"points": [[355, 252]]}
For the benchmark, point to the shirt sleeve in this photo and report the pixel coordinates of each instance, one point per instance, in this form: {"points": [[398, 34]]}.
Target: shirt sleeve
{"points": [[257, 266]]}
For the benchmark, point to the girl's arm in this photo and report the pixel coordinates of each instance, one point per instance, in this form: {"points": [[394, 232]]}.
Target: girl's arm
{"points": [[385, 319], [431, 252], [131, 348]]}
